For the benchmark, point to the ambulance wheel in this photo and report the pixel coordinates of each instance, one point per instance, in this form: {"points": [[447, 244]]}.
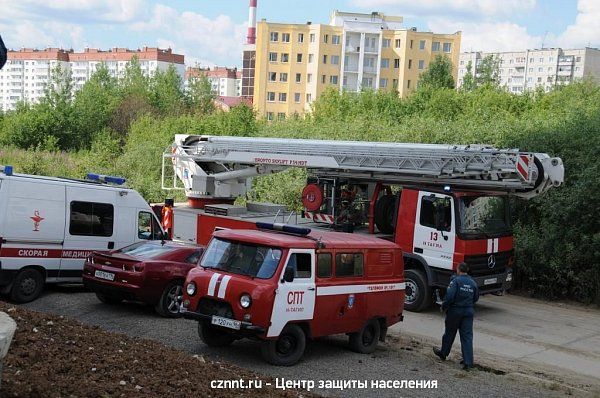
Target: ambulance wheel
{"points": [[27, 286], [365, 340], [168, 305], [214, 337], [110, 300], [417, 292], [287, 349]]}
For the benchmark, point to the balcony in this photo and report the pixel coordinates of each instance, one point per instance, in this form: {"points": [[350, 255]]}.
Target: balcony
{"points": [[351, 68], [566, 60]]}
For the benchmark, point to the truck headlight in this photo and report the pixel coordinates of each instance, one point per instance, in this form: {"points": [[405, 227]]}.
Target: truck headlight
{"points": [[191, 288], [245, 300]]}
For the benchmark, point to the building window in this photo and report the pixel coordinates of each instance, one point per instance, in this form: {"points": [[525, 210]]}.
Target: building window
{"points": [[395, 84], [578, 59], [369, 62], [530, 69], [577, 69], [408, 84], [312, 37], [396, 63], [270, 96], [541, 59], [91, 219], [411, 44], [283, 77], [272, 76], [324, 59], [385, 62], [398, 42], [311, 58], [409, 63], [282, 97], [421, 44], [300, 37], [335, 39], [539, 79], [326, 39], [386, 43], [309, 78], [285, 57], [367, 82], [333, 79], [531, 60], [274, 36], [335, 60], [308, 97], [297, 98], [383, 82], [345, 81], [540, 69], [550, 59], [435, 46], [421, 64], [272, 57], [285, 37], [323, 79], [281, 116], [298, 77], [447, 47], [549, 69], [270, 116], [299, 58]]}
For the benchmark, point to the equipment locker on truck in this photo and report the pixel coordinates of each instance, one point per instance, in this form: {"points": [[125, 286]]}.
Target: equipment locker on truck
{"points": [[49, 226]]}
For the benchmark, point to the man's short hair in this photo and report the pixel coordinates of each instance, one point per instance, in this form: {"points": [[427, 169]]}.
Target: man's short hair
{"points": [[463, 267]]}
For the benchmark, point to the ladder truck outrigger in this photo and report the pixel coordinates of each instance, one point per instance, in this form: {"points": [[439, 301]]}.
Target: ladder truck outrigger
{"points": [[442, 204]]}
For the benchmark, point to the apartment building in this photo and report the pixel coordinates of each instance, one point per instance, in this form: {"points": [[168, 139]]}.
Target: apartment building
{"points": [[526, 70], [225, 82], [28, 70], [296, 62]]}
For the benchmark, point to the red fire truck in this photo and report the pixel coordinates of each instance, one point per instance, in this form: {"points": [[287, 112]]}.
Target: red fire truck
{"points": [[284, 284], [442, 204]]}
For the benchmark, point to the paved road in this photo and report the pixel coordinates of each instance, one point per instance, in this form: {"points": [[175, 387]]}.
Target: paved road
{"points": [[563, 340], [404, 357]]}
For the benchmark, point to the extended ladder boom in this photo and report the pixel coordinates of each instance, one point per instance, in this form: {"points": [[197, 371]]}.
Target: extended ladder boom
{"points": [[214, 166]]}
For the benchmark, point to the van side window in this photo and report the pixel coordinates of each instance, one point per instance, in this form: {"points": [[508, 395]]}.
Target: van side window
{"points": [[324, 265], [433, 207], [348, 264], [91, 219], [300, 262], [147, 226]]}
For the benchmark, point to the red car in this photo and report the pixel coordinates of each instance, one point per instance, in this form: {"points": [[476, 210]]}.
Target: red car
{"points": [[152, 272]]}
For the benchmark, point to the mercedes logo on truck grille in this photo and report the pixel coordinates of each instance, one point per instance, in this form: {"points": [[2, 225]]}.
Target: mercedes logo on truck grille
{"points": [[491, 261]]}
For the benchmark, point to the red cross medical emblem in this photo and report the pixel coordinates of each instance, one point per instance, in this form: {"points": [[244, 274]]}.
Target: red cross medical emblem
{"points": [[36, 220]]}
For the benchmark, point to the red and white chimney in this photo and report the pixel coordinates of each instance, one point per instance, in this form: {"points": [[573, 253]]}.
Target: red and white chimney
{"points": [[251, 39]]}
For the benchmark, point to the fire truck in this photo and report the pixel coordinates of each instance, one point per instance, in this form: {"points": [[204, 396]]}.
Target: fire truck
{"points": [[442, 204]]}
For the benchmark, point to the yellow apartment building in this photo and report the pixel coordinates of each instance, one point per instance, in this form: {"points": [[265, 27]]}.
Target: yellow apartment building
{"points": [[296, 62]]}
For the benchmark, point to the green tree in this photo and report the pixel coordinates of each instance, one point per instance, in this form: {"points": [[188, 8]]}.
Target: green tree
{"points": [[487, 73], [468, 83], [200, 95], [438, 74], [134, 81], [167, 92]]}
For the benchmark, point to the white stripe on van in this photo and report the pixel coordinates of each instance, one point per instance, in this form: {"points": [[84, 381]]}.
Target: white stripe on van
{"points": [[223, 287], [349, 289], [212, 284]]}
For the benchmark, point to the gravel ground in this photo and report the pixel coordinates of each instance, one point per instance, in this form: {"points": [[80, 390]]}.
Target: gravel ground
{"points": [[325, 359]]}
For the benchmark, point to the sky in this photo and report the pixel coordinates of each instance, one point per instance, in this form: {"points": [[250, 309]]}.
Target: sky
{"points": [[212, 32]]}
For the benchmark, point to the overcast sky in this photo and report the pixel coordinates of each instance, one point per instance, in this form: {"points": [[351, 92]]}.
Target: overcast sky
{"points": [[212, 32]]}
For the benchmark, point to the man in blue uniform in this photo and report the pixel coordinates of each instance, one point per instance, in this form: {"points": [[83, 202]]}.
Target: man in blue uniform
{"points": [[458, 303]]}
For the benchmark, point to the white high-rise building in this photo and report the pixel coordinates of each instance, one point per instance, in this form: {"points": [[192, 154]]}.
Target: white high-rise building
{"points": [[529, 69], [27, 71]]}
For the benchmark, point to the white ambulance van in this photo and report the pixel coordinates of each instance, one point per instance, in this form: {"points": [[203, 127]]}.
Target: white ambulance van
{"points": [[48, 226]]}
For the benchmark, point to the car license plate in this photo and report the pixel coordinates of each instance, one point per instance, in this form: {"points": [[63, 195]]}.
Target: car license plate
{"points": [[226, 323], [109, 276], [490, 281]]}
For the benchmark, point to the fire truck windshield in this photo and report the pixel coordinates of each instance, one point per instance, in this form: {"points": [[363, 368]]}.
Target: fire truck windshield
{"points": [[484, 216], [241, 258]]}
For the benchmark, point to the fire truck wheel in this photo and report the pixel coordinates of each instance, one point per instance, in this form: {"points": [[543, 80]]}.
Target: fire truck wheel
{"points": [[27, 286], [417, 292], [110, 300], [168, 305], [384, 213], [214, 337], [365, 340], [287, 349]]}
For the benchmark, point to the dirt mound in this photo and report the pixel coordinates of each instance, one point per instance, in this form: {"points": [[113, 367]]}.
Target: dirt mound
{"points": [[52, 356]]}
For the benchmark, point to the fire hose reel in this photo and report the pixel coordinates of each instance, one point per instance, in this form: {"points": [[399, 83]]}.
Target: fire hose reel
{"points": [[312, 197]]}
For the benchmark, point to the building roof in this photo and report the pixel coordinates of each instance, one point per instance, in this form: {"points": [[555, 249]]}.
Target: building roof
{"points": [[94, 54], [216, 72], [229, 102]]}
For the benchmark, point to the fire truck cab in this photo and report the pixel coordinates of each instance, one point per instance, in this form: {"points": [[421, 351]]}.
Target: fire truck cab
{"points": [[285, 284]]}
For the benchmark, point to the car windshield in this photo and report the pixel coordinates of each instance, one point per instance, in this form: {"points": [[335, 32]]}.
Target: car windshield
{"points": [[241, 258], [484, 215], [146, 250]]}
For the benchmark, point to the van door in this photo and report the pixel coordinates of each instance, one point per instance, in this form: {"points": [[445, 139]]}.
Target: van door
{"points": [[91, 221], [147, 226], [294, 300], [436, 246]]}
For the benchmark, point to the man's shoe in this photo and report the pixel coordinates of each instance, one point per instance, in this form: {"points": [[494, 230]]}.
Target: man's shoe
{"points": [[467, 368], [438, 352]]}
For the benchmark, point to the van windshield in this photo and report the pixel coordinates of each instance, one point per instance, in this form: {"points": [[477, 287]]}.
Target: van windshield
{"points": [[241, 258]]}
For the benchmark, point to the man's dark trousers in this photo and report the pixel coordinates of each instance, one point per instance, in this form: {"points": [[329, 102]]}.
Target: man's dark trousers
{"points": [[461, 319]]}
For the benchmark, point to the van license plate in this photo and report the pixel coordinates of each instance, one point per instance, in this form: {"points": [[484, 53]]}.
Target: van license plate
{"points": [[109, 276], [490, 281], [226, 323]]}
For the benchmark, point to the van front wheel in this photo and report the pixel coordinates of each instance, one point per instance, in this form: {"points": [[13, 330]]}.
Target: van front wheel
{"points": [[287, 349], [365, 340], [27, 286]]}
